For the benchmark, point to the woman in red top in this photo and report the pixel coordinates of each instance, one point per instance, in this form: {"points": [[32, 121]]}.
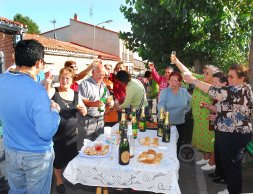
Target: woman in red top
{"points": [[119, 91]]}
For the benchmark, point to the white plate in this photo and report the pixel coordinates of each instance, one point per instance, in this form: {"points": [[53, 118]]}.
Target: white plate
{"points": [[82, 154]]}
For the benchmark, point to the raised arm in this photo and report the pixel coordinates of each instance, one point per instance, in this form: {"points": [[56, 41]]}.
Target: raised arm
{"points": [[83, 73], [155, 75], [192, 80], [179, 65]]}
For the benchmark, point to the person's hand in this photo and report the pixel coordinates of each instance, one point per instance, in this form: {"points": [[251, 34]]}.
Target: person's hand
{"points": [[174, 59], [110, 102], [82, 109], [204, 105], [151, 66], [54, 105], [212, 117], [188, 78], [98, 103]]}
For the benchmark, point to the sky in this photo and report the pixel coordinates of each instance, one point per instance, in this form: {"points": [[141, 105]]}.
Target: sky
{"points": [[90, 11]]}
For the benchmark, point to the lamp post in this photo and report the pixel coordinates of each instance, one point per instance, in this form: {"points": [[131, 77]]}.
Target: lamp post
{"points": [[94, 34]]}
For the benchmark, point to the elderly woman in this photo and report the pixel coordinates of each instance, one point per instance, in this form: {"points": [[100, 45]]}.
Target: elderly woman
{"points": [[65, 139], [233, 122], [176, 100], [202, 137]]}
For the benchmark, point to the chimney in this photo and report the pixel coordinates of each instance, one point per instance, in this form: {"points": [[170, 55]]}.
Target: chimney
{"points": [[75, 16]]}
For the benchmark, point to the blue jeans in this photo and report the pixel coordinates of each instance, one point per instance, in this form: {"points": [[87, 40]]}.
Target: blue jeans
{"points": [[29, 172]]}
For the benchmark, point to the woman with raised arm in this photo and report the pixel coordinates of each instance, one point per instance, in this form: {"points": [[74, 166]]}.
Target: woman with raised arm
{"points": [[202, 137], [233, 122], [163, 81]]}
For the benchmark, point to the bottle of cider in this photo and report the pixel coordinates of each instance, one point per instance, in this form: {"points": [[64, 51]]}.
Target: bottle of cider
{"points": [[166, 128], [134, 125], [122, 124], [160, 123], [124, 149], [142, 121], [101, 107]]}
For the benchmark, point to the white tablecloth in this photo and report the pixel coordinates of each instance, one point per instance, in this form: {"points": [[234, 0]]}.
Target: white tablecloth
{"points": [[106, 172]]}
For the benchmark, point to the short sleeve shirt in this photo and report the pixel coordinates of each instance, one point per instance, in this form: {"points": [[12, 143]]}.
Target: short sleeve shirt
{"points": [[90, 90]]}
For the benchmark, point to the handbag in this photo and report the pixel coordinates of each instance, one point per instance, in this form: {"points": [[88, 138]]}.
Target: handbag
{"points": [[249, 147]]}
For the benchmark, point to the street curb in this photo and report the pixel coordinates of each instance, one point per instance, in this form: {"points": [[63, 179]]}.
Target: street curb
{"points": [[200, 177]]}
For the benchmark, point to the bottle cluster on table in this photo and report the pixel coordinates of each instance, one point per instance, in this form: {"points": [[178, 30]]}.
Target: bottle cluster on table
{"points": [[128, 131]]}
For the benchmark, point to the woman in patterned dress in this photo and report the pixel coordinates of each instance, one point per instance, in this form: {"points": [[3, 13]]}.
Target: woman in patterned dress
{"points": [[202, 137], [233, 122]]}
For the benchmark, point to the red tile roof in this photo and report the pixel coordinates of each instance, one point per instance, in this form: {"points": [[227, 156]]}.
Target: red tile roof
{"points": [[53, 44], [7, 21]]}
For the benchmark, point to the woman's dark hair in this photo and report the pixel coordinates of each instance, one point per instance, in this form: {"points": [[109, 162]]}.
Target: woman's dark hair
{"points": [[222, 76], [28, 52], [123, 76], [69, 63], [175, 73], [147, 74], [241, 71]]}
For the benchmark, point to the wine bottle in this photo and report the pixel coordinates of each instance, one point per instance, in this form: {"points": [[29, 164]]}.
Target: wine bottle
{"points": [[124, 149], [134, 124], [160, 123], [101, 107], [166, 128], [122, 124], [142, 121]]}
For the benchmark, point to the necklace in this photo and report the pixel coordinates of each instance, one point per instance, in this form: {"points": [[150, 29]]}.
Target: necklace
{"points": [[66, 103]]}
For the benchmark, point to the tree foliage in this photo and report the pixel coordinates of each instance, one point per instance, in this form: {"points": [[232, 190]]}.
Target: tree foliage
{"points": [[33, 28], [214, 31]]}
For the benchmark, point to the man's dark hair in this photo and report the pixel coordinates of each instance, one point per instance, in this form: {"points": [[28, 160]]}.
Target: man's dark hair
{"points": [[123, 76], [147, 74], [222, 76], [28, 52]]}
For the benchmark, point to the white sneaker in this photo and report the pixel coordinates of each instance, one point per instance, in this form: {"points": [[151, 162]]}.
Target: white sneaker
{"points": [[224, 192], [208, 167], [202, 162]]}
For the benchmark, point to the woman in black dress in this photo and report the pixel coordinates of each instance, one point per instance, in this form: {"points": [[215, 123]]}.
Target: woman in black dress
{"points": [[65, 139]]}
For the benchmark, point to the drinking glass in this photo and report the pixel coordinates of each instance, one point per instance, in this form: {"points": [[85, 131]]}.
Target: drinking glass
{"points": [[173, 54]]}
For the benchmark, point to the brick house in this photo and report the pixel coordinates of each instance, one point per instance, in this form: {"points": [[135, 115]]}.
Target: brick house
{"points": [[10, 33]]}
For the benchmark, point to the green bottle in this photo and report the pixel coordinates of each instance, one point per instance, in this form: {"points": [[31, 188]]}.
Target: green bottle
{"points": [[134, 124], [166, 128], [160, 123], [122, 124], [142, 121], [101, 107], [124, 149]]}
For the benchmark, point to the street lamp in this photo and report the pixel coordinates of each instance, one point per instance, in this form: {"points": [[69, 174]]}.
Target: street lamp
{"points": [[94, 33]]}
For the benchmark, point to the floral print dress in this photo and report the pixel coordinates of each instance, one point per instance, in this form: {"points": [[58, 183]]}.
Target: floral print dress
{"points": [[202, 137]]}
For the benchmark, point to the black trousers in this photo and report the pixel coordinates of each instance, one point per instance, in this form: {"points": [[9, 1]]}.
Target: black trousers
{"points": [[180, 129], [231, 148], [218, 169]]}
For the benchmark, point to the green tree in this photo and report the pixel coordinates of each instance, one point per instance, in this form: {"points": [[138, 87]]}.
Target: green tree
{"points": [[33, 28], [215, 31]]}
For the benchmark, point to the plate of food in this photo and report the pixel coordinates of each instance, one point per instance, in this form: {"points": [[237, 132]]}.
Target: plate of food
{"points": [[147, 141], [150, 156], [95, 149]]}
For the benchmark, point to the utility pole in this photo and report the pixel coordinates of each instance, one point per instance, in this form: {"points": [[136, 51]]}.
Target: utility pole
{"points": [[54, 22]]}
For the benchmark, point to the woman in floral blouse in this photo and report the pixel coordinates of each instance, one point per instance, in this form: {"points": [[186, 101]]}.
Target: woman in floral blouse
{"points": [[233, 122]]}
